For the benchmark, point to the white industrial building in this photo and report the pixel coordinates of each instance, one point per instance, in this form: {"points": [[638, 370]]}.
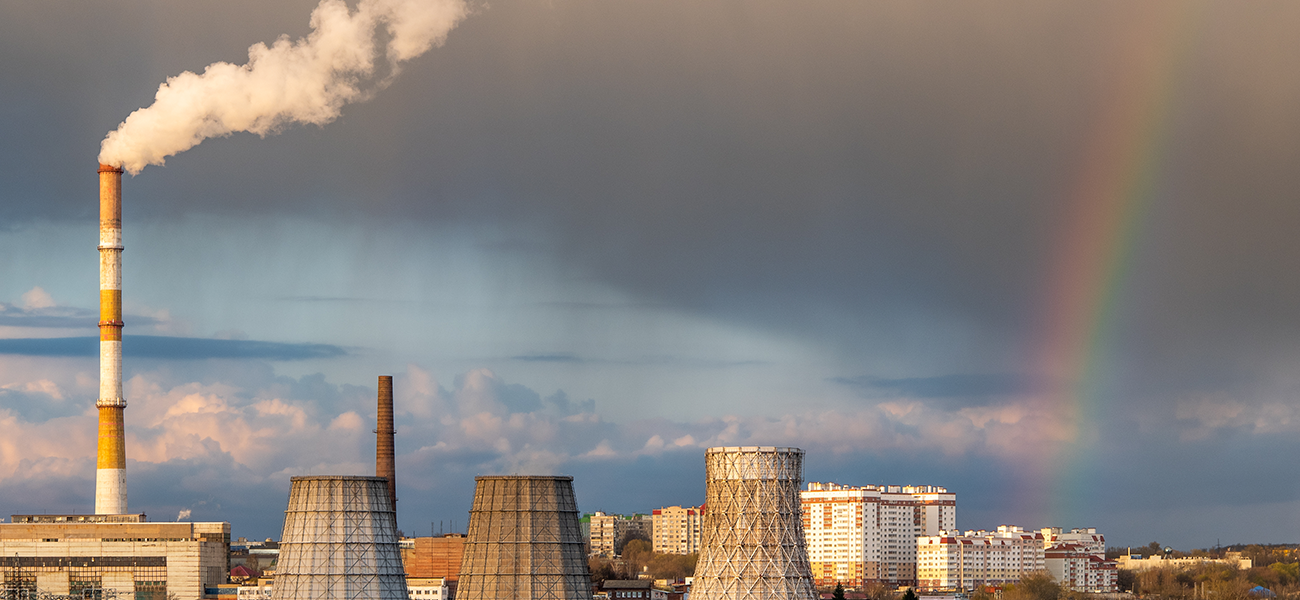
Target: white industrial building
{"points": [[80, 554], [857, 535]]}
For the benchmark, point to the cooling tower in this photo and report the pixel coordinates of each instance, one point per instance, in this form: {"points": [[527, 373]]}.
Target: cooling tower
{"points": [[524, 542], [752, 545], [339, 542]]}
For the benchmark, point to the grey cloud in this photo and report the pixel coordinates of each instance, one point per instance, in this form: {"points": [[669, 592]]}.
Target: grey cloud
{"points": [[172, 348], [559, 357], [883, 178], [944, 386], [680, 361], [884, 182], [59, 317]]}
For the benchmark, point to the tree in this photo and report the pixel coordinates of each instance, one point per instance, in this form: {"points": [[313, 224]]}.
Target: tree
{"points": [[601, 569], [839, 591], [629, 538], [1287, 572], [878, 591], [1126, 578], [672, 566], [637, 555], [1034, 586], [909, 595]]}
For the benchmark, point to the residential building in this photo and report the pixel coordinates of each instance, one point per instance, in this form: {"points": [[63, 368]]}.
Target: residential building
{"points": [[677, 529], [79, 554], [1079, 569], [427, 588], [254, 592], [635, 589], [949, 561], [1085, 539], [858, 535], [603, 533], [606, 533], [639, 526]]}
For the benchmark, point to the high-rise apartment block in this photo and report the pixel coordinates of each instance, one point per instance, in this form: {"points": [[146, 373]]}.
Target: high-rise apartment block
{"points": [[1087, 540], [949, 561], [857, 535], [606, 533], [677, 529], [1077, 560]]}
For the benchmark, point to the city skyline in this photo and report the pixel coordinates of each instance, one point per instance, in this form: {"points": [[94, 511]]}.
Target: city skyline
{"points": [[1041, 254]]}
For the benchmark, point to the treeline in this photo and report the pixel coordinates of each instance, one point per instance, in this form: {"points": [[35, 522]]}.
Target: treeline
{"points": [[638, 557], [1212, 580], [1262, 555], [1209, 581]]}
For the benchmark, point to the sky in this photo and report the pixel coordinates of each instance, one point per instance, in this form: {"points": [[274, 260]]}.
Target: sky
{"points": [[1040, 253]]}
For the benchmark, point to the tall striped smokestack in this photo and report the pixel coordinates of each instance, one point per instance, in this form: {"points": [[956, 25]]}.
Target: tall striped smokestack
{"points": [[384, 463], [110, 474]]}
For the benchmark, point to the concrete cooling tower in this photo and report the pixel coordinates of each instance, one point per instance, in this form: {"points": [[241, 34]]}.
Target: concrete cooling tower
{"points": [[752, 545], [524, 542], [339, 542]]}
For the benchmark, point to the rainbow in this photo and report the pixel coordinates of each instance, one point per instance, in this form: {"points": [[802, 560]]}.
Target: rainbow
{"points": [[1107, 202]]}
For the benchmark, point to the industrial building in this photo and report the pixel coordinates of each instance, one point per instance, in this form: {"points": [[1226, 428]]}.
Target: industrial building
{"points": [[124, 554], [858, 535], [437, 557]]}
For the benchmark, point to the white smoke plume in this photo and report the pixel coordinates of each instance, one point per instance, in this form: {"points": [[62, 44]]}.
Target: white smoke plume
{"points": [[184, 514], [308, 80]]}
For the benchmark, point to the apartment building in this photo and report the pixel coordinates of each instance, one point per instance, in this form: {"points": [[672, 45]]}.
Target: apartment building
{"points": [[1086, 539], [949, 561], [677, 529], [606, 533], [1079, 569], [857, 535]]}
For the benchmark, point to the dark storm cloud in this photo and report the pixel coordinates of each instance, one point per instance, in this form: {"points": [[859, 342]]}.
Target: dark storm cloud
{"points": [[841, 171], [172, 348], [886, 181]]}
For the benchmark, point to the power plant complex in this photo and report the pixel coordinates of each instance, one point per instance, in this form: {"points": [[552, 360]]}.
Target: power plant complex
{"points": [[340, 538], [111, 553]]}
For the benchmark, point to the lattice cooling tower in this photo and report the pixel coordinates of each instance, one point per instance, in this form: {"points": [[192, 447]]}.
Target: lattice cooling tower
{"points": [[752, 545], [524, 542], [339, 542]]}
